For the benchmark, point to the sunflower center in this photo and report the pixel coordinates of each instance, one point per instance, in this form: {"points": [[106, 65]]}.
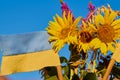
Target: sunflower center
{"points": [[85, 37], [64, 33], [106, 33]]}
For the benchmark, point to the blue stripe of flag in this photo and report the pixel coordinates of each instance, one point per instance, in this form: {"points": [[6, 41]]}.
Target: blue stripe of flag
{"points": [[24, 43]]}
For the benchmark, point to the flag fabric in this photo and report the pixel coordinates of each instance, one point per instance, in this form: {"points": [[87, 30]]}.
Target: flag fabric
{"points": [[116, 54], [26, 52]]}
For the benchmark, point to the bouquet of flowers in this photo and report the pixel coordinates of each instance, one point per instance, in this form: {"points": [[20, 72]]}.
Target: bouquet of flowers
{"points": [[90, 40]]}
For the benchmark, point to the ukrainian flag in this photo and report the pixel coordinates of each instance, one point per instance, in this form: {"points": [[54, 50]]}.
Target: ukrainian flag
{"points": [[26, 52]]}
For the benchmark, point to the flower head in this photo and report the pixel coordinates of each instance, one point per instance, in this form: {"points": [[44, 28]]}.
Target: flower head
{"points": [[63, 30], [85, 36], [108, 30]]}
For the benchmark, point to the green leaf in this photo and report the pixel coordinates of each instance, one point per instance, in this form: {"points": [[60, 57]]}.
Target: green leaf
{"points": [[116, 71], [65, 77], [52, 71], [83, 73], [75, 58], [101, 72], [63, 60], [75, 77], [52, 78], [66, 70], [90, 76], [49, 71]]}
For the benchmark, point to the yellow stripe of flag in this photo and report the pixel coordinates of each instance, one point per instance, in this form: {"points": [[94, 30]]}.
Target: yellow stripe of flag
{"points": [[28, 62]]}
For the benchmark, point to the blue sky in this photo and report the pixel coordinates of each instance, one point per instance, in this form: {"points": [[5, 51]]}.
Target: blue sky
{"points": [[21, 16]]}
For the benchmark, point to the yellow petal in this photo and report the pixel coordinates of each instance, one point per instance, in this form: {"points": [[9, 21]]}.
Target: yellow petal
{"points": [[116, 22], [55, 21], [52, 32], [60, 44], [99, 20], [69, 18], [110, 9], [95, 43], [91, 26], [84, 24], [76, 22], [73, 39], [51, 39], [64, 18], [85, 47], [117, 26], [54, 26], [117, 31], [51, 23], [60, 20], [111, 48], [57, 45], [106, 15], [117, 36], [112, 16], [103, 48]]}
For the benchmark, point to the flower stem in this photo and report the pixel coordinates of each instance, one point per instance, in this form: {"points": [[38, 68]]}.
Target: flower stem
{"points": [[110, 66]]}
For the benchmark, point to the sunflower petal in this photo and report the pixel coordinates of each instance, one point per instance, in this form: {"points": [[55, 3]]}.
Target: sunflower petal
{"points": [[99, 20], [64, 18], [112, 16], [91, 26], [54, 26], [55, 23], [95, 43], [76, 22], [111, 48], [51, 39], [103, 48], [52, 32], [60, 20], [117, 26], [116, 22], [51, 23], [85, 47], [106, 14], [69, 18], [84, 25]]}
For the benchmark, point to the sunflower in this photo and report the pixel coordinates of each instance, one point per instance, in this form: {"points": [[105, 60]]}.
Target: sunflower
{"points": [[85, 36], [108, 30], [63, 30]]}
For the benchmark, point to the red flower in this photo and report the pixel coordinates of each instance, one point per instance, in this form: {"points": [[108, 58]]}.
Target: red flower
{"points": [[65, 8]]}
